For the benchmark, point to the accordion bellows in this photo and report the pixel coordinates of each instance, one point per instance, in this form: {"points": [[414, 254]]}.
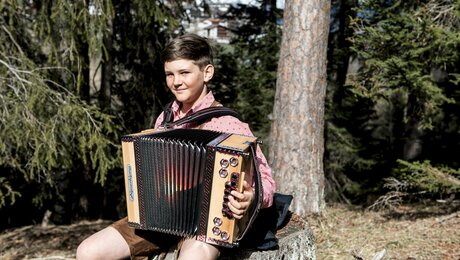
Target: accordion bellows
{"points": [[178, 181]]}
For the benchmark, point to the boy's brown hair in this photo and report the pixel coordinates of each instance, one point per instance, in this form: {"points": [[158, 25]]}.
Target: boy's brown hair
{"points": [[190, 47]]}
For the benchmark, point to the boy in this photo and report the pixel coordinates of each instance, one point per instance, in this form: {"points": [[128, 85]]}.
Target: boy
{"points": [[188, 67]]}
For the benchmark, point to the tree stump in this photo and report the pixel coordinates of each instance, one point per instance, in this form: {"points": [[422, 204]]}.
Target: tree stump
{"points": [[295, 240]]}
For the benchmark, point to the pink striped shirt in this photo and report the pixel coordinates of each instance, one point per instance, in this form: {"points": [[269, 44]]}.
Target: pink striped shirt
{"points": [[229, 124]]}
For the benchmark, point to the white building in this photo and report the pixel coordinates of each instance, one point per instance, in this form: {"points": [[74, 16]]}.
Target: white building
{"points": [[207, 25]]}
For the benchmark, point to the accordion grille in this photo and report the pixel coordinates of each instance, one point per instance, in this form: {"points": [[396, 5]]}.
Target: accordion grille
{"points": [[172, 169]]}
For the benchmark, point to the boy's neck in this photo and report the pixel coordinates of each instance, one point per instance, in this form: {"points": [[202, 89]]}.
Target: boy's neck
{"points": [[185, 108], [182, 112]]}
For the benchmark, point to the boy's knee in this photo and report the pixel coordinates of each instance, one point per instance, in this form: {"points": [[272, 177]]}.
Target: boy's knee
{"points": [[86, 251], [194, 249], [80, 254]]}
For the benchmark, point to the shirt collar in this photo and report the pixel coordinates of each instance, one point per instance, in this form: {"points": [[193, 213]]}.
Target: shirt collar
{"points": [[203, 103]]}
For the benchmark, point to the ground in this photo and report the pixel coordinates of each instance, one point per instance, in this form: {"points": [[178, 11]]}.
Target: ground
{"points": [[341, 232], [405, 232]]}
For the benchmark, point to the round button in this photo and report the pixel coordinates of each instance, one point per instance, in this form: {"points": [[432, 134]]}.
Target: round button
{"points": [[233, 161], [216, 231], [223, 173], [224, 235], [217, 221], [224, 163]]}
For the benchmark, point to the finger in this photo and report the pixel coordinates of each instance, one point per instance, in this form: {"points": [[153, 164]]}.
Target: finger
{"points": [[246, 185], [237, 195], [238, 205], [236, 208], [240, 195], [247, 195], [235, 203]]}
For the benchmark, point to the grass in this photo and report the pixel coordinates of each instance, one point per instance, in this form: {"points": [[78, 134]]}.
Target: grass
{"points": [[344, 232], [341, 232]]}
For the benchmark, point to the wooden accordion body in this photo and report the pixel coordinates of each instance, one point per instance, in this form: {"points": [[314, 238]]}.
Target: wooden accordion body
{"points": [[177, 182]]}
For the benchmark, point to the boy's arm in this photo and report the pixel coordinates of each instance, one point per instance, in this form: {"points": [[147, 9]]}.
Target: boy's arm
{"points": [[268, 184]]}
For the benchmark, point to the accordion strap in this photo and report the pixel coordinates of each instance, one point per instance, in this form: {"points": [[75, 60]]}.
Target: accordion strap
{"points": [[197, 117]]}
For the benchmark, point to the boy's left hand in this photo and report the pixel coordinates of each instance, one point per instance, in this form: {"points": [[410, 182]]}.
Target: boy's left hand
{"points": [[241, 201]]}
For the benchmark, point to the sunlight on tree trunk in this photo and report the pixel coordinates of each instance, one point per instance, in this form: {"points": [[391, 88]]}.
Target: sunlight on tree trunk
{"points": [[297, 141]]}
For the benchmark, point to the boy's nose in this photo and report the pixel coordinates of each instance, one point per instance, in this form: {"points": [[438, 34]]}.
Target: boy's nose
{"points": [[177, 82]]}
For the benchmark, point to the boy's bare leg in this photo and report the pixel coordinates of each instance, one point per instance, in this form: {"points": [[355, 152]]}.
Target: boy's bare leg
{"points": [[105, 244], [194, 249]]}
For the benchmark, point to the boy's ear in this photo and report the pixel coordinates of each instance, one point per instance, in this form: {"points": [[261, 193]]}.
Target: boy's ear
{"points": [[208, 72]]}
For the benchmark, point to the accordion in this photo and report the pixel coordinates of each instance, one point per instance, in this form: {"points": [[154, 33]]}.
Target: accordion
{"points": [[177, 182]]}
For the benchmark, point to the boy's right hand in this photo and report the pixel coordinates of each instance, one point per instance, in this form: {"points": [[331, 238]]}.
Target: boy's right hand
{"points": [[241, 201]]}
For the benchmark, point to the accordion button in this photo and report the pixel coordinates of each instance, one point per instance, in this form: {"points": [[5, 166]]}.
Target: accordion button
{"points": [[217, 221], [233, 161], [224, 163], [216, 231], [223, 173], [230, 185], [226, 212], [224, 235], [235, 176]]}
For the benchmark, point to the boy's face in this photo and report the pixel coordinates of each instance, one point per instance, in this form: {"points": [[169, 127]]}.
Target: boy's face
{"points": [[186, 81]]}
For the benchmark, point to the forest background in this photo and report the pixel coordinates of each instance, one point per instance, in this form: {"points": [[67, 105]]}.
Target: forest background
{"points": [[392, 104]]}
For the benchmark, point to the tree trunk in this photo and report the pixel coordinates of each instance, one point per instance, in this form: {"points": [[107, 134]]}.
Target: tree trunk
{"points": [[297, 134], [105, 93]]}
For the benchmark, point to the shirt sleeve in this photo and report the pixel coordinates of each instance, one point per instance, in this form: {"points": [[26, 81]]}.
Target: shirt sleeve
{"points": [[232, 125]]}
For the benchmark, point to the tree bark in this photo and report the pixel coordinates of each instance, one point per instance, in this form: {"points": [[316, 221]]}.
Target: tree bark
{"points": [[297, 133], [105, 93]]}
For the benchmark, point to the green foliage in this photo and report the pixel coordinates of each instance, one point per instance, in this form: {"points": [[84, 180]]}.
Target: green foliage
{"points": [[343, 156], [69, 33], [7, 193], [56, 136], [256, 81], [223, 84], [255, 55], [400, 98], [138, 75], [422, 176], [396, 63], [46, 129]]}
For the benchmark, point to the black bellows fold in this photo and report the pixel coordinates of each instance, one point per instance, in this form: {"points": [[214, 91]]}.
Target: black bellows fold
{"points": [[173, 169]]}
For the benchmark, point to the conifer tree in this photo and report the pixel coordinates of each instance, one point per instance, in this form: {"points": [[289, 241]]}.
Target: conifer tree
{"points": [[59, 126], [408, 51], [257, 48]]}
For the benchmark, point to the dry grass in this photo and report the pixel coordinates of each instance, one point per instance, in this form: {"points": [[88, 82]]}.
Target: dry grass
{"points": [[403, 233], [341, 232], [51, 242]]}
